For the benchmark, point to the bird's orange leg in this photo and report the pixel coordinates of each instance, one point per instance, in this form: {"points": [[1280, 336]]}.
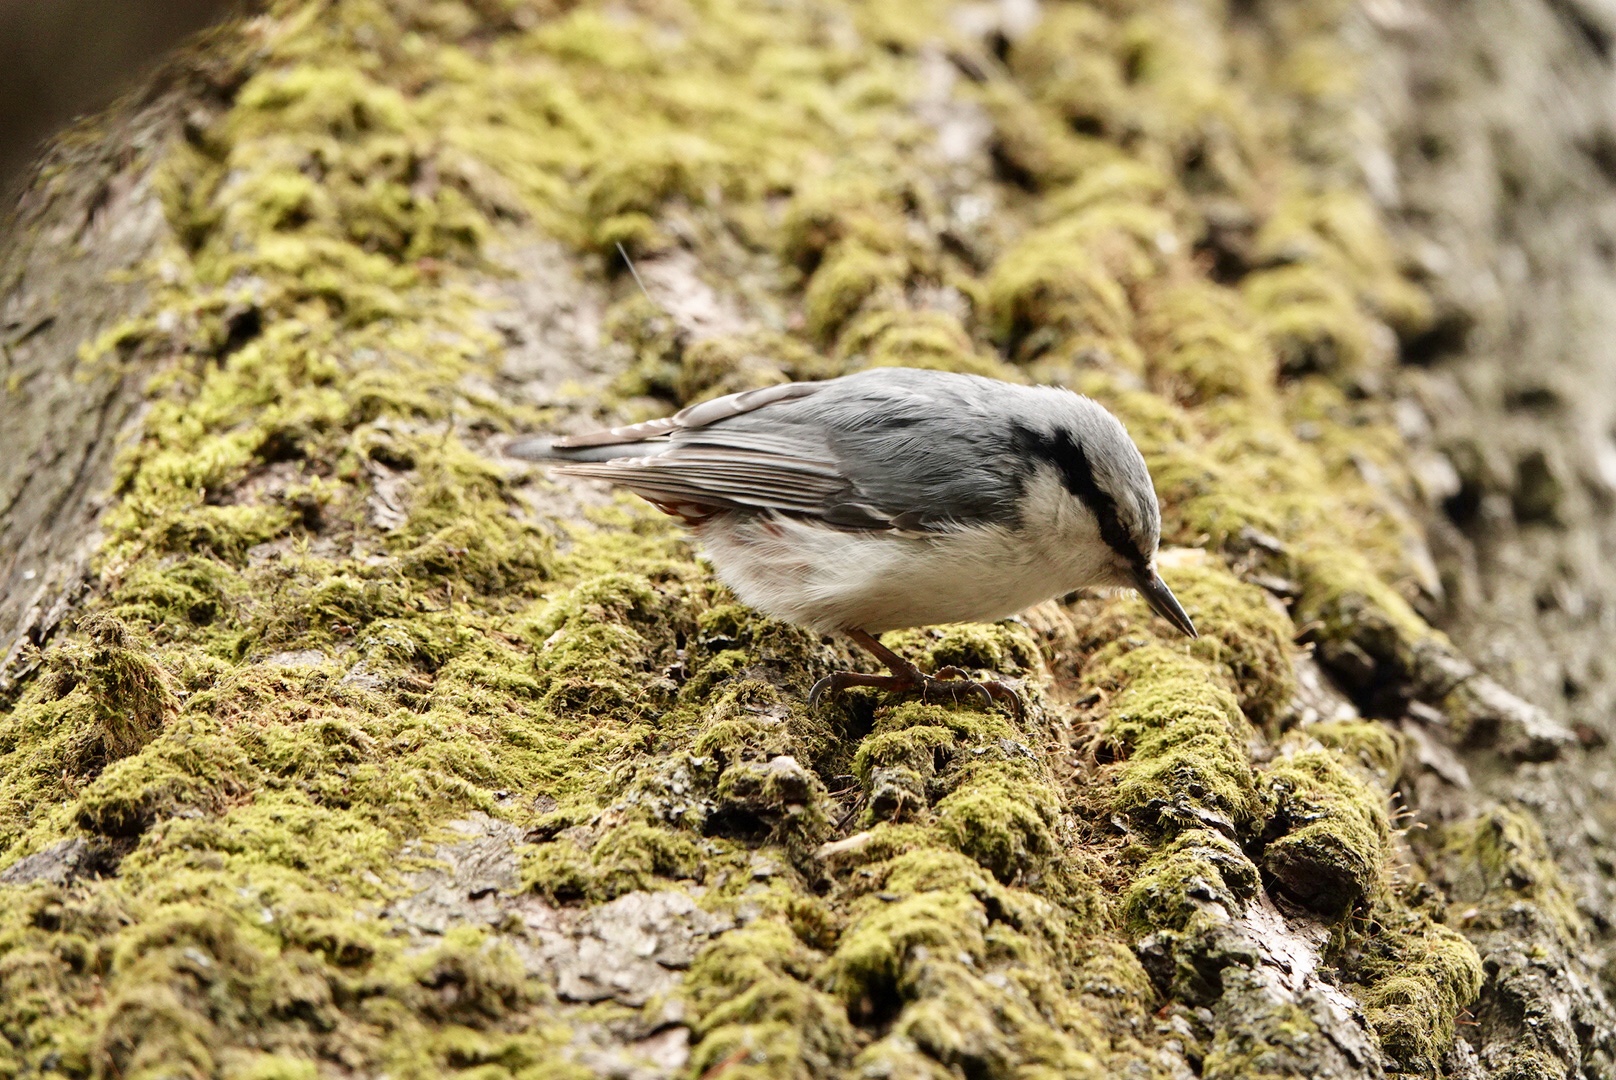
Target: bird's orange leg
{"points": [[908, 679]]}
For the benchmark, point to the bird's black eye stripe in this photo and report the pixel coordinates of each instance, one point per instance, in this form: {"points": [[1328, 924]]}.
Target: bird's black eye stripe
{"points": [[1068, 458]]}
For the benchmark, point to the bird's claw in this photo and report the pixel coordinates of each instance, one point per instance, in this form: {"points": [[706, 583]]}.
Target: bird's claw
{"points": [[991, 689], [965, 682], [922, 685], [818, 691]]}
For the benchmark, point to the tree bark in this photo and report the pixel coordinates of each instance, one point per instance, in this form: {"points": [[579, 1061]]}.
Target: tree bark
{"points": [[62, 60], [332, 743]]}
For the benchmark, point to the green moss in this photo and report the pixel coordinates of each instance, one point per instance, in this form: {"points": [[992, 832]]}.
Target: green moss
{"points": [[1004, 648], [460, 536], [1268, 1043], [1327, 831], [191, 767], [1145, 80], [193, 592], [926, 955], [1532, 1063], [1035, 148], [560, 871], [932, 899], [850, 277], [851, 207], [1199, 867], [1347, 607], [755, 1007], [723, 365], [778, 794], [1328, 846], [921, 749], [1420, 976], [99, 700], [1184, 740], [1072, 60], [1311, 320], [918, 339], [651, 172], [592, 647], [899, 768], [1069, 282], [654, 341], [999, 826], [631, 858], [485, 975], [991, 799], [271, 1067], [1244, 636], [872, 957], [1372, 747], [1203, 346], [1339, 233], [1498, 860]]}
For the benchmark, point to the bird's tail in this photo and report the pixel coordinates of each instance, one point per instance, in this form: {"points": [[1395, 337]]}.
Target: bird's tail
{"points": [[544, 448]]}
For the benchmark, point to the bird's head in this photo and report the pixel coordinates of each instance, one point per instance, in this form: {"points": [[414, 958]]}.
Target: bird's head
{"points": [[1100, 467]]}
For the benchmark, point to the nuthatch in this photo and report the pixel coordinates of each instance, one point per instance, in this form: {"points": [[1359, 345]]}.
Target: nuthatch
{"points": [[894, 498]]}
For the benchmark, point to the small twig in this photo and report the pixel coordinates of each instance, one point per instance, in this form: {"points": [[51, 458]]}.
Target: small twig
{"points": [[628, 262]]}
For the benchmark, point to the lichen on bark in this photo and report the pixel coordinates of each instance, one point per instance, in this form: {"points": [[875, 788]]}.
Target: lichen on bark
{"points": [[339, 635]]}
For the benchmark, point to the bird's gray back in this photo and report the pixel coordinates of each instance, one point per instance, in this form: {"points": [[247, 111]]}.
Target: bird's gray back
{"points": [[881, 449], [920, 448]]}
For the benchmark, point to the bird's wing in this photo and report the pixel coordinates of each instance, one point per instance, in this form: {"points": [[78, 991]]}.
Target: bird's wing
{"points": [[699, 415], [875, 451], [700, 460], [742, 470]]}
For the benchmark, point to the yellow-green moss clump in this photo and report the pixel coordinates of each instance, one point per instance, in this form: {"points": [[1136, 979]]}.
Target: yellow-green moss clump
{"points": [[327, 623], [1414, 976], [1329, 831], [1498, 860]]}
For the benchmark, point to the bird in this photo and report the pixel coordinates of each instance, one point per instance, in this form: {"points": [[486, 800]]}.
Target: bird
{"points": [[893, 498]]}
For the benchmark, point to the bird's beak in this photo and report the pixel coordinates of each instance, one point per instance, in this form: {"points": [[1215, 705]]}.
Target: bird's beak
{"points": [[1161, 599]]}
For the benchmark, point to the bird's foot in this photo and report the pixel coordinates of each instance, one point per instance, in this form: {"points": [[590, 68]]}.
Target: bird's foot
{"points": [[949, 683], [991, 689]]}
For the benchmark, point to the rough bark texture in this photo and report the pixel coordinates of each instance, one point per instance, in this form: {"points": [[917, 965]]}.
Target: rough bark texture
{"points": [[1501, 124], [333, 744]]}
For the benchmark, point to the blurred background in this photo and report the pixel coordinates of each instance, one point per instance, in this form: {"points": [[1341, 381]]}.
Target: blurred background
{"points": [[64, 58]]}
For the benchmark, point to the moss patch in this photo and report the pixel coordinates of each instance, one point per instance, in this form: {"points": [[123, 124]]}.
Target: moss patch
{"points": [[1327, 831], [327, 624], [1185, 744], [1501, 858]]}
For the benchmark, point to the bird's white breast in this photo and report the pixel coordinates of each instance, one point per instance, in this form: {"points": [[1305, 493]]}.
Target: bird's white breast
{"points": [[834, 579]]}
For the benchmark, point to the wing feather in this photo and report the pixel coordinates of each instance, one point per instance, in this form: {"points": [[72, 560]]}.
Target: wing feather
{"points": [[726, 478], [855, 452], [692, 417], [709, 463]]}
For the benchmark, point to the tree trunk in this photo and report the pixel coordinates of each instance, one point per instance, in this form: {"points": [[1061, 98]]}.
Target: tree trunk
{"points": [[333, 743]]}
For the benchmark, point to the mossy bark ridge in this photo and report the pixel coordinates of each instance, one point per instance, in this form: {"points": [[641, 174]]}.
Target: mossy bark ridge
{"points": [[345, 747]]}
